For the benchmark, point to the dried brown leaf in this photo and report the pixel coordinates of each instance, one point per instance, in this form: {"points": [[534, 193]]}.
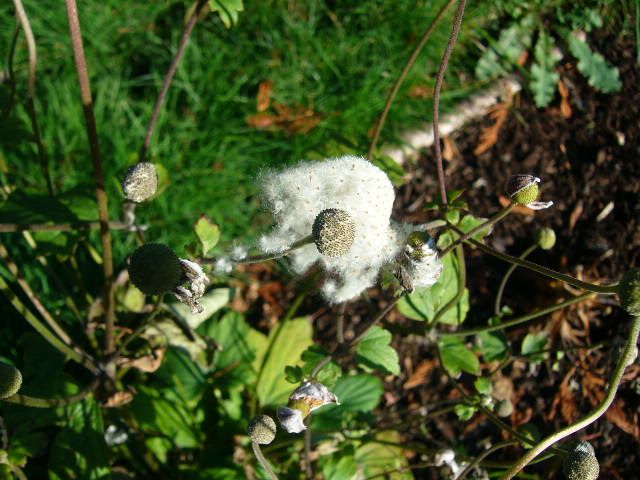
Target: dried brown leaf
{"points": [[575, 215], [265, 90], [627, 421], [148, 363], [565, 104], [421, 91], [118, 399], [421, 374], [489, 135]]}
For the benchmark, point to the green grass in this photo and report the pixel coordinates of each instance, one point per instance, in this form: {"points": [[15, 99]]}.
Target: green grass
{"points": [[340, 61]]}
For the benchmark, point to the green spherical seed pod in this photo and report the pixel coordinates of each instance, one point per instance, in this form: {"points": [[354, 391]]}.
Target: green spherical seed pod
{"points": [[262, 430], [155, 268], [629, 291], [10, 380], [581, 465], [504, 408], [333, 232], [546, 238], [522, 189]]}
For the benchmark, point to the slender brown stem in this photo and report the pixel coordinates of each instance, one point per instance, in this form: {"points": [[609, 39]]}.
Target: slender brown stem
{"points": [[484, 455], [340, 324], [188, 29], [64, 227], [101, 194], [507, 275], [436, 97], [31, 106], [263, 461], [403, 75]]}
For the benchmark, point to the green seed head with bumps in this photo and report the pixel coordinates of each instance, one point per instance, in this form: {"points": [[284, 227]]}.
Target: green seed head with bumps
{"points": [[522, 189], [629, 291], [581, 463], [546, 238], [10, 380], [262, 430], [333, 232], [141, 182], [155, 268]]}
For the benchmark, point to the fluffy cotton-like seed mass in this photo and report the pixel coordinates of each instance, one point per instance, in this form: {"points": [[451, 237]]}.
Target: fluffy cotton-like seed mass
{"points": [[352, 184]]}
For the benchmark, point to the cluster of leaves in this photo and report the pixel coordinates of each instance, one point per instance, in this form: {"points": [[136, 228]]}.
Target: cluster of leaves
{"points": [[553, 30]]}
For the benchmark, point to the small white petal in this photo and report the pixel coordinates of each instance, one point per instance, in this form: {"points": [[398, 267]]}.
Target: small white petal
{"points": [[539, 205], [291, 419]]}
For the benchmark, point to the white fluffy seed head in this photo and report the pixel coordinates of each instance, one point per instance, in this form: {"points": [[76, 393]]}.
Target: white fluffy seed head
{"points": [[333, 232], [141, 182]]}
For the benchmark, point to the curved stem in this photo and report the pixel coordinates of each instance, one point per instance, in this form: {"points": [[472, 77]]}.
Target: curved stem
{"points": [[96, 158], [166, 83], [35, 402], [483, 226], [272, 256], [484, 455], [400, 80], [625, 359], [436, 96], [506, 276], [64, 227], [308, 467], [31, 107], [263, 461], [462, 280], [519, 320], [58, 344]]}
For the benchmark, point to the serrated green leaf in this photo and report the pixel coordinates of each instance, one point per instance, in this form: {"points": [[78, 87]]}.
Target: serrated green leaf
{"points": [[357, 393], [533, 346], [464, 411], [457, 357], [544, 79], [293, 374], [600, 73], [493, 346], [423, 303], [329, 374], [504, 54], [208, 233], [228, 10], [340, 465], [287, 341], [375, 351], [483, 386]]}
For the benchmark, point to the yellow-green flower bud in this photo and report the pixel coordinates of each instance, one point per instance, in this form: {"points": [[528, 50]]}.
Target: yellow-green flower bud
{"points": [[262, 429], [546, 238], [155, 268], [629, 291], [333, 232], [10, 380], [522, 189]]}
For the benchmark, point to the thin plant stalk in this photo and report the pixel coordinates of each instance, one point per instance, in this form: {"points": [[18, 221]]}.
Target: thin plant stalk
{"points": [[436, 97], [31, 107], [462, 280], [267, 256], [625, 360], [12, 78], [263, 461], [519, 320], [101, 194], [506, 277], [64, 227], [191, 23], [47, 334], [403, 75], [483, 455], [478, 228], [308, 467], [36, 402]]}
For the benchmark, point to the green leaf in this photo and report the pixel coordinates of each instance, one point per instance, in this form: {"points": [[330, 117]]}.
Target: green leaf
{"points": [[423, 303], [600, 73], [504, 54], [79, 450], [457, 357], [228, 10], [286, 343], [544, 79], [163, 178], [393, 169], [358, 393], [493, 346], [185, 377], [294, 374], [464, 411], [375, 459], [208, 233], [375, 351], [329, 374], [483, 386], [533, 346], [340, 465]]}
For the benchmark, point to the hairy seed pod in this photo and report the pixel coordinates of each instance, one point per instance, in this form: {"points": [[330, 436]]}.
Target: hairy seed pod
{"points": [[155, 268], [141, 182], [333, 232], [522, 189], [581, 463], [10, 380], [262, 429], [546, 238], [629, 291]]}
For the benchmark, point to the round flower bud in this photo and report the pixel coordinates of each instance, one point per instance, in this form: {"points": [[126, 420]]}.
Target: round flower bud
{"points": [[504, 408], [333, 232], [141, 182], [546, 238], [10, 380], [262, 429], [155, 268], [522, 189], [629, 291], [581, 463]]}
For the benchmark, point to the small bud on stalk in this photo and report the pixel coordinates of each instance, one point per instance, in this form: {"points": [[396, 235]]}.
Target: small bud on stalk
{"points": [[262, 430], [523, 190], [141, 182], [546, 238], [333, 232], [10, 380]]}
